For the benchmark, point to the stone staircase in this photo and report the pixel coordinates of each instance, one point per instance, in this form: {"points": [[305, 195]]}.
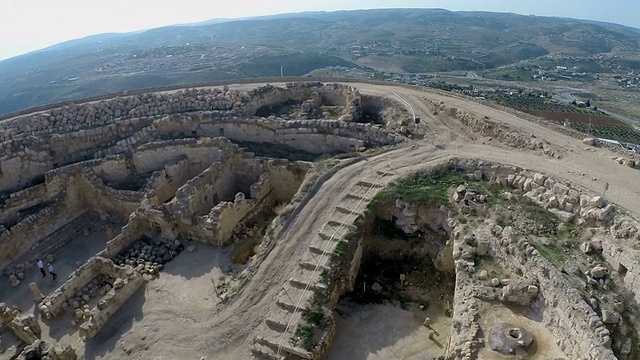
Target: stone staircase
{"points": [[278, 330]]}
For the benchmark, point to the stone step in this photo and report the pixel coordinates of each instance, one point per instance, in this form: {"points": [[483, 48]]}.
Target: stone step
{"points": [[314, 286], [264, 352], [368, 184], [287, 300], [286, 305], [336, 231], [286, 345], [357, 197], [318, 251], [384, 173], [311, 265], [326, 237], [340, 224], [346, 211], [276, 325]]}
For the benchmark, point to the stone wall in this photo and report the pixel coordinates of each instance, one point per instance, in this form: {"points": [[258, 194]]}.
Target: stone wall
{"points": [[211, 205], [153, 156], [21, 237], [571, 315], [94, 114], [219, 182], [37, 143], [226, 216], [162, 184], [43, 350], [51, 243], [286, 177], [563, 200], [72, 190], [56, 302], [106, 200], [571, 203], [576, 326], [345, 96], [114, 169], [626, 261], [21, 200], [137, 227], [126, 284]]}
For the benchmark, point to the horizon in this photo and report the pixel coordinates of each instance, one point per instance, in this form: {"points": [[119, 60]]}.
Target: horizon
{"points": [[19, 37]]}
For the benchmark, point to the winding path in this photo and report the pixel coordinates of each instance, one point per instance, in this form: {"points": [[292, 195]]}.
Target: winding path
{"points": [[231, 332]]}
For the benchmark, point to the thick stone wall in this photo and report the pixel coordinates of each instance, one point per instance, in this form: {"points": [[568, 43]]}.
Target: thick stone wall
{"points": [[226, 216], [345, 96], [116, 169], [576, 326], [54, 304], [626, 261], [37, 143], [21, 200], [21, 237], [163, 184], [137, 227], [153, 156], [213, 204], [94, 114], [126, 284]]}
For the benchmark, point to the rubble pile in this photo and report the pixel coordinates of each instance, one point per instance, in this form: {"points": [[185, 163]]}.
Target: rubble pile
{"points": [[99, 286], [148, 256]]}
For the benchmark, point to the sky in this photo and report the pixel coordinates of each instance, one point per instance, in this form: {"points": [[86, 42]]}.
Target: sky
{"points": [[27, 25]]}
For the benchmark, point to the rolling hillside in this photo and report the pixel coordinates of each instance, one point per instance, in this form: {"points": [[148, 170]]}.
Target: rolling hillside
{"points": [[400, 40]]}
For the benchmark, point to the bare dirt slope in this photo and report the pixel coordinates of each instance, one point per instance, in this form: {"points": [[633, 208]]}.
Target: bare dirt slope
{"points": [[228, 331]]}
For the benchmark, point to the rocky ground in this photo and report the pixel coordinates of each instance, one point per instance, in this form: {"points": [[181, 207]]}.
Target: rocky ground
{"points": [[180, 316], [234, 324]]}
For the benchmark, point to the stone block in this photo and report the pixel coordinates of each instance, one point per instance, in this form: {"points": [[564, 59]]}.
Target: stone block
{"points": [[597, 201]]}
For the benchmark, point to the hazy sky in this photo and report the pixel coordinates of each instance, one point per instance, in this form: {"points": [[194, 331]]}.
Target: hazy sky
{"points": [[27, 25]]}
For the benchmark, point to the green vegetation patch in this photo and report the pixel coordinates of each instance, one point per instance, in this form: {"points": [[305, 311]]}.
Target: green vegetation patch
{"points": [[315, 320], [552, 253], [525, 102], [607, 131], [434, 187], [420, 188]]}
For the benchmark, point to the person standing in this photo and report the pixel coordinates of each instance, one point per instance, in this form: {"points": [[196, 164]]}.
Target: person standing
{"points": [[51, 271], [41, 267]]}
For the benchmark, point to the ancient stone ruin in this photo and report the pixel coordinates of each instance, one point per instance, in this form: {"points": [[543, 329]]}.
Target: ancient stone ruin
{"points": [[465, 259], [503, 263], [144, 175]]}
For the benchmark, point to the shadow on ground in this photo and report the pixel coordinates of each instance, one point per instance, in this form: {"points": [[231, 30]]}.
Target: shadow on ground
{"points": [[386, 331], [201, 261], [121, 322]]}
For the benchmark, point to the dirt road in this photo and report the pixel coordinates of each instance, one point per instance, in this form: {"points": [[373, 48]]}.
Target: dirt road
{"points": [[228, 332]]}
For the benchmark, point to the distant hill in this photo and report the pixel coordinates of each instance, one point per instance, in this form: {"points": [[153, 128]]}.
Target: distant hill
{"points": [[399, 40]]}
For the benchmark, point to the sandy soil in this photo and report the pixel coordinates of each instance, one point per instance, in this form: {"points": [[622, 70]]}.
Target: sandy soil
{"points": [[173, 318], [233, 328], [381, 332], [544, 346], [79, 249]]}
